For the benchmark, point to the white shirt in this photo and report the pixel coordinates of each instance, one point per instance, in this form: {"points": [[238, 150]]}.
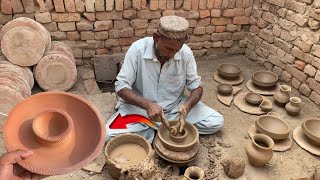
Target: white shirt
{"points": [[142, 73]]}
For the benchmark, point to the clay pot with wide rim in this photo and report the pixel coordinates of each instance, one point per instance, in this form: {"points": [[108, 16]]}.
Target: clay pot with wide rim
{"points": [[266, 106], [253, 98], [311, 128], [259, 150], [194, 173], [293, 107], [265, 79], [113, 167], [282, 95], [229, 70], [225, 89], [273, 127]]}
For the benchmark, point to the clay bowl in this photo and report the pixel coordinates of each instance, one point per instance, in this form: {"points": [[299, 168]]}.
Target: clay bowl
{"points": [[273, 127], [225, 89], [264, 79], [266, 106], [190, 140], [119, 155], [229, 70], [311, 128], [194, 172], [253, 98]]}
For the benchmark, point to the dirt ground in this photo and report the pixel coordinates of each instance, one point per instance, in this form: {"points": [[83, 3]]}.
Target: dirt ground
{"points": [[231, 140]]}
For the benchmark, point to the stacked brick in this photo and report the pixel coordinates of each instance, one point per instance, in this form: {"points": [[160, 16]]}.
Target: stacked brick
{"points": [[284, 36], [95, 27]]}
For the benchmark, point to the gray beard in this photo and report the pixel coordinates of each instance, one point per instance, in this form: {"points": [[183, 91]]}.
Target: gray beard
{"points": [[160, 56]]}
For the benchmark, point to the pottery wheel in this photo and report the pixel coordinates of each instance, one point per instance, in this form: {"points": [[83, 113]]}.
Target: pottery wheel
{"points": [[227, 100], [256, 89], [244, 106], [176, 156], [221, 80], [280, 146], [304, 143]]}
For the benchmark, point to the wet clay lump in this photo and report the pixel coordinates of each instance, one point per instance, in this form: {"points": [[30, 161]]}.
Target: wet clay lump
{"points": [[128, 154]]}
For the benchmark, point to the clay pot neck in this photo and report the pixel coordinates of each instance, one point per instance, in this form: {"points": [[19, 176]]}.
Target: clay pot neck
{"points": [[52, 126], [295, 100], [180, 137], [285, 88], [262, 142], [194, 173]]}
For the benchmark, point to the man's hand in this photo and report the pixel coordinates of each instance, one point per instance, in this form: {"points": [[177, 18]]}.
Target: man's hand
{"points": [[182, 117], [9, 169], [154, 111]]}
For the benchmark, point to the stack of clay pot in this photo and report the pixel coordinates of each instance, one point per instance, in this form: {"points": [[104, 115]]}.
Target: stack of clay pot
{"points": [[177, 149]]}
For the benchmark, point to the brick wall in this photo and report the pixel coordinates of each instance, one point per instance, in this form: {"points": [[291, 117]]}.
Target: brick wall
{"points": [[284, 36], [94, 27]]}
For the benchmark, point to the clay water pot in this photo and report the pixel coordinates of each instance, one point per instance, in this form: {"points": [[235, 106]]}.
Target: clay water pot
{"points": [[225, 89], [253, 98], [265, 79], [194, 173], [229, 70], [273, 127], [259, 150], [282, 95], [266, 106], [311, 128], [126, 151], [293, 107]]}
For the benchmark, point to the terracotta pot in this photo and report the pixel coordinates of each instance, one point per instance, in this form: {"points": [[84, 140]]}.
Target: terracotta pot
{"points": [[225, 89], [293, 107], [266, 106], [282, 95], [259, 151], [311, 128], [194, 173]]}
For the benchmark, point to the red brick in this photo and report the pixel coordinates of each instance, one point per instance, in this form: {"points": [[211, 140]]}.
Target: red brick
{"points": [[112, 15], [28, 6], [143, 4], [73, 36], [102, 25], [221, 21], [109, 5], [86, 35], [168, 13], [315, 98], [79, 5], [154, 4], [111, 43], [68, 26], [220, 29], [203, 4], [65, 17], [140, 32], [170, 4], [58, 5], [43, 17], [233, 12], [101, 35], [204, 13], [121, 24], [99, 5], [16, 6], [238, 3], [127, 4], [314, 85], [210, 4], [51, 26], [299, 64], [146, 14], [186, 4], [151, 31], [6, 7], [127, 32], [58, 35], [178, 4], [48, 4], [136, 4], [129, 14], [119, 5], [139, 23], [90, 16], [162, 4], [301, 76], [89, 4], [70, 5], [241, 20], [127, 41], [194, 4], [217, 4], [101, 51]]}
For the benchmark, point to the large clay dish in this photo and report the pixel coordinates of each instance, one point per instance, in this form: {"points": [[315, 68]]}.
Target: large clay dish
{"points": [[83, 145], [229, 70], [311, 128], [265, 78], [274, 127], [191, 139]]}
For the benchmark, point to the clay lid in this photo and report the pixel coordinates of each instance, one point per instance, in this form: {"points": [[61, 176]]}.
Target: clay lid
{"points": [[311, 128], [64, 130], [229, 70], [190, 140], [265, 78], [253, 98], [224, 89], [272, 126]]}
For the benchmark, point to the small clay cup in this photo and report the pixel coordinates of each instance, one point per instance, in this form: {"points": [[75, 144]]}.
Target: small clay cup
{"points": [[273, 127], [51, 126], [265, 79], [180, 137], [311, 128], [253, 98], [266, 106], [225, 89], [229, 70], [194, 173]]}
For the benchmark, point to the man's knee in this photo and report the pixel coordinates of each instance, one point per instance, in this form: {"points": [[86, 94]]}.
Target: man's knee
{"points": [[212, 124]]}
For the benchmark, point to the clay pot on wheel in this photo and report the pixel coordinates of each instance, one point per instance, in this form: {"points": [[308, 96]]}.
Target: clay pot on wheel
{"points": [[293, 107], [259, 151], [194, 173], [282, 95]]}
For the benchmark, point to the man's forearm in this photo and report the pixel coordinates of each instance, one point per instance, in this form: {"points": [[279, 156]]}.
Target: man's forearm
{"points": [[194, 98], [133, 98]]}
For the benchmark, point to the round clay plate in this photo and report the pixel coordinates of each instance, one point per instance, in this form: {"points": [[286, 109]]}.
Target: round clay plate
{"points": [[259, 90], [246, 107], [221, 80], [23, 46], [83, 145], [302, 140]]}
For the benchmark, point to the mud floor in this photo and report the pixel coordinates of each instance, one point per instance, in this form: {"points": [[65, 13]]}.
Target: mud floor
{"points": [[230, 141]]}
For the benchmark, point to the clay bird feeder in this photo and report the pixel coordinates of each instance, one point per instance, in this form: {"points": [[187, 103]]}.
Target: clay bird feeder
{"points": [[253, 98], [273, 127], [229, 70], [64, 131], [311, 128], [265, 79], [225, 89]]}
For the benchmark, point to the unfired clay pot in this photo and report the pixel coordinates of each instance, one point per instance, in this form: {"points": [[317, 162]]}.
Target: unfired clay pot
{"points": [[293, 107], [259, 151], [265, 79], [253, 98], [194, 173], [229, 70], [266, 106], [282, 95], [224, 89], [272, 126], [311, 129]]}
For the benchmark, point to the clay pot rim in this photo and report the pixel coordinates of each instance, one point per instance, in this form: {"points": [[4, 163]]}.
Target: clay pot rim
{"points": [[84, 162], [223, 91], [253, 101], [266, 106], [195, 169], [274, 136], [307, 131], [258, 82], [228, 74], [269, 140], [285, 88], [52, 138], [295, 100]]}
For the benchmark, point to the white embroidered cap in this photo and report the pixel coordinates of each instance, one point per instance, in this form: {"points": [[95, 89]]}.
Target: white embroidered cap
{"points": [[174, 27]]}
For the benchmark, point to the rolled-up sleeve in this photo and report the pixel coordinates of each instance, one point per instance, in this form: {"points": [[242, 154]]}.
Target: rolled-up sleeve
{"points": [[127, 74], [193, 79]]}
